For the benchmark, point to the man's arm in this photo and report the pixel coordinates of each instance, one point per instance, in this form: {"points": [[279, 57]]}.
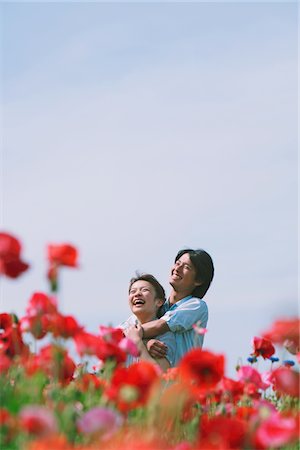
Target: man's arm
{"points": [[156, 348], [186, 315], [154, 328]]}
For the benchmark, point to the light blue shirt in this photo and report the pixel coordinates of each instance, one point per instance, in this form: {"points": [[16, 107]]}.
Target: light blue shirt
{"points": [[180, 318], [167, 338]]}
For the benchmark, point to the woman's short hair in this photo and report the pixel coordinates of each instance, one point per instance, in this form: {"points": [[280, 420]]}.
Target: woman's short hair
{"points": [[203, 264], [159, 290]]}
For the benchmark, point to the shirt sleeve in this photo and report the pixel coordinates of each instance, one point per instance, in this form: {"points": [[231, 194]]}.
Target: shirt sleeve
{"points": [[130, 321], [187, 314], [169, 339]]}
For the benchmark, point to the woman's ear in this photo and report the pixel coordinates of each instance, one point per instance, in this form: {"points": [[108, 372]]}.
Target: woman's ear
{"points": [[159, 302]]}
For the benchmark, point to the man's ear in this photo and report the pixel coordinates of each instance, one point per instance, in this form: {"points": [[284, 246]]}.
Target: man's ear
{"points": [[198, 283]]}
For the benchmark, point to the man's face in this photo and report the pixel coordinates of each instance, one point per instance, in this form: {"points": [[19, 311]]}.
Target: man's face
{"points": [[183, 275], [142, 299]]}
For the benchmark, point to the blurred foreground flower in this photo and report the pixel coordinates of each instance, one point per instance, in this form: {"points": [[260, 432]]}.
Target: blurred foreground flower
{"points": [[11, 264], [285, 332], [130, 387], [286, 381], [276, 431], [37, 420], [50, 404], [101, 422], [201, 369], [222, 433]]}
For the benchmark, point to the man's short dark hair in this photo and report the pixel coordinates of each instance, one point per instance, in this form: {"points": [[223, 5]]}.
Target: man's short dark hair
{"points": [[159, 290], [204, 267]]}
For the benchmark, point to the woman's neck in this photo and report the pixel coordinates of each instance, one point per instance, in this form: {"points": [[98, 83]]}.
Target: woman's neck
{"points": [[145, 318]]}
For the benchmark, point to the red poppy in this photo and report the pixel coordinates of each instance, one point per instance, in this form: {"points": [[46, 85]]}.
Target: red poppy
{"points": [[6, 321], [86, 343], [64, 326], [222, 432], [246, 412], [11, 341], [130, 387], [40, 303], [90, 381], [5, 417], [285, 330], [90, 344], [5, 363], [202, 369], [231, 390], [62, 255], [55, 361], [110, 350], [111, 334], [57, 442], [38, 325], [11, 264], [262, 347]]}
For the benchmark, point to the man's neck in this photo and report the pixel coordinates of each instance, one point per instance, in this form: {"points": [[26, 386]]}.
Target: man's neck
{"points": [[176, 296]]}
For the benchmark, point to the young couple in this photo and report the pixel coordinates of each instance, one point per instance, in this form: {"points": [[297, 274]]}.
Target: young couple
{"points": [[170, 321]]}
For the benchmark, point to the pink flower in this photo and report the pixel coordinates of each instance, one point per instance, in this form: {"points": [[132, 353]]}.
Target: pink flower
{"points": [[286, 381], [129, 347], [276, 432], [267, 377], [101, 421], [250, 375], [198, 329], [38, 420]]}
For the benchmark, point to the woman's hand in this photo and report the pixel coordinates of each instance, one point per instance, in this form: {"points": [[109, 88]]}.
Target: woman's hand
{"points": [[135, 333]]}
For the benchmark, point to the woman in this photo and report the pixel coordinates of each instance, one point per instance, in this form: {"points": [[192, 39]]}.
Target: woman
{"points": [[146, 296]]}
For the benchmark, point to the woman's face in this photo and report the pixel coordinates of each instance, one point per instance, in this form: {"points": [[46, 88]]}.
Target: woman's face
{"points": [[142, 299]]}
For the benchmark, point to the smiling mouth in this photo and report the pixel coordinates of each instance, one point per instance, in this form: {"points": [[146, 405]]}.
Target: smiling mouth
{"points": [[138, 302], [176, 276]]}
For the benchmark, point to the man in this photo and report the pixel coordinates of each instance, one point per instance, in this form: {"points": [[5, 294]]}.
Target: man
{"points": [[146, 296], [190, 278]]}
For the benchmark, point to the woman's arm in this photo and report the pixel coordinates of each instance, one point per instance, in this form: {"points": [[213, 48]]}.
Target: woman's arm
{"points": [[135, 333]]}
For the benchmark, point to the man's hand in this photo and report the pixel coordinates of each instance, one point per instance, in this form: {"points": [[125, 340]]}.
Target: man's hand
{"points": [[157, 349]]}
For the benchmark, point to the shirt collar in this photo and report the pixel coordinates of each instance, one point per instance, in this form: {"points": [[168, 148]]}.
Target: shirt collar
{"points": [[183, 300]]}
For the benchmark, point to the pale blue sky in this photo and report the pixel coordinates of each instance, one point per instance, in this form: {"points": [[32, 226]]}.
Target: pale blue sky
{"points": [[133, 130]]}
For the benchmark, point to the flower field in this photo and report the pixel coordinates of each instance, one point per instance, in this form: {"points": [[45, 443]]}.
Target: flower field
{"points": [[50, 400]]}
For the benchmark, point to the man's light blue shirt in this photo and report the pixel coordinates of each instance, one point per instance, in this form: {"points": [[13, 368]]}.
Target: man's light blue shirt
{"points": [[180, 318]]}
